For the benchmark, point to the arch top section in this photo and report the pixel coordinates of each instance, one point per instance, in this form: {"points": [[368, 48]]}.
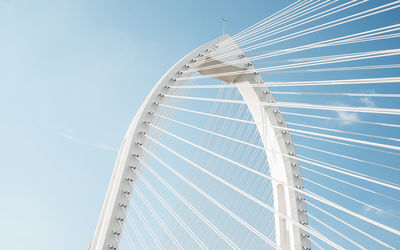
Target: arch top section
{"points": [[221, 67]]}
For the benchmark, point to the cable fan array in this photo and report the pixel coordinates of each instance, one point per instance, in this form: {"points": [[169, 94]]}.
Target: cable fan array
{"points": [[203, 178]]}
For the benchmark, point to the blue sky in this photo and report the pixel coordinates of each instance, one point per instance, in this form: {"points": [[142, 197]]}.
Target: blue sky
{"points": [[72, 76]]}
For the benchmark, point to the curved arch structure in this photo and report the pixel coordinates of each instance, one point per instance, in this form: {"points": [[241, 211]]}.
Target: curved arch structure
{"points": [[270, 124]]}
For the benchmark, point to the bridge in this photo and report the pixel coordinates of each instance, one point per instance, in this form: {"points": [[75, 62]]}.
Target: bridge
{"points": [[282, 136]]}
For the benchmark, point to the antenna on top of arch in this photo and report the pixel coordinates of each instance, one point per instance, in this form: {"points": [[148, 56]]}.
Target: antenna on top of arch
{"points": [[224, 20]]}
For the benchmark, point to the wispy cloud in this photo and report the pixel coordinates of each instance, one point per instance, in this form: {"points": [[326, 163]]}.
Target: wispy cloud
{"points": [[106, 147], [83, 142], [367, 101], [350, 117], [369, 210], [347, 117], [379, 210]]}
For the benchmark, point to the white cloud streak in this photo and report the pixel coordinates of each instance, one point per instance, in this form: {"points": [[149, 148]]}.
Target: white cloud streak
{"points": [[347, 117], [367, 101], [350, 117], [83, 142]]}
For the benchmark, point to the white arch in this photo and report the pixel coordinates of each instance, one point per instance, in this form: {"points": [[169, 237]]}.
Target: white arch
{"points": [[277, 143]]}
